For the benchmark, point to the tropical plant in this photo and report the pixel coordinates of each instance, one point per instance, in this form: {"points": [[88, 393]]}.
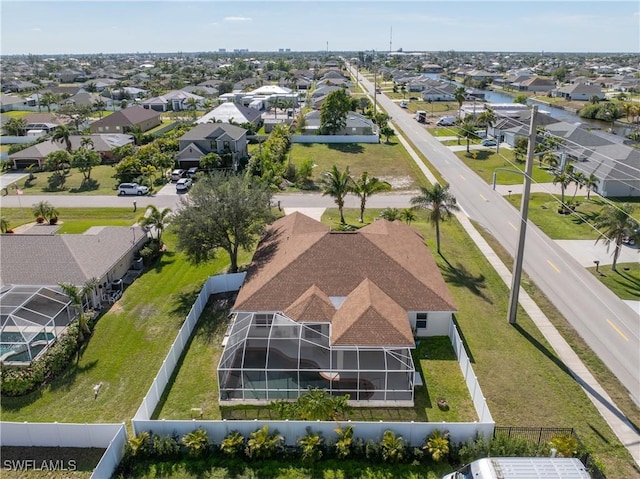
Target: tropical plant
{"points": [[62, 134], [311, 446], [44, 209], [85, 160], [314, 405], [408, 215], [467, 129], [392, 446], [58, 162], [387, 132], [487, 118], [364, 187], [520, 151], [522, 99], [614, 223], [196, 442], [440, 202], [77, 295], [4, 224], [460, 94], [578, 178], [344, 443], [15, 127], [86, 143], [47, 99], [210, 162], [336, 184], [566, 445], [334, 111], [221, 211], [156, 219], [233, 444], [390, 214], [264, 445], [591, 183], [137, 133], [564, 178], [437, 444], [139, 445]]}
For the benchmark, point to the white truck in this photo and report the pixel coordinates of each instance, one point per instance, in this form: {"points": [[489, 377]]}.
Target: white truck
{"points": [[446, 121], [522, 468]]}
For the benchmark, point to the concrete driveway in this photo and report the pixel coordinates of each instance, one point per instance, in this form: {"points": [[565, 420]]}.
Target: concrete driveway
{"points": [[9, 178]]}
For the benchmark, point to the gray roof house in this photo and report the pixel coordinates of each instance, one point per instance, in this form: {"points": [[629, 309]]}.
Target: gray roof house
{"points": [[124, 120], [105, 253], [175, 100], [36, 154], [579, 91], [221, 138], [357, 124]]}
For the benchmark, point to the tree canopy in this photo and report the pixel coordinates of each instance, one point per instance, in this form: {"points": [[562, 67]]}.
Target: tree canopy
{"points": [[221, 211], [333, 115]]}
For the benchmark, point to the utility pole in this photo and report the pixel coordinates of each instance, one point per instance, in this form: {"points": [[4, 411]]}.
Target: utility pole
{"points": [[524, 210]]}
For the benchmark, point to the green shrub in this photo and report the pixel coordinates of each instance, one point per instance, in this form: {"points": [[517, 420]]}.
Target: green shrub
{"points": [[566, 445], [151, 252], [437, 444], [392, 447], [165, 446], [196, 442], [263, 445], [233, 444], [344, 445], [312, 446]]}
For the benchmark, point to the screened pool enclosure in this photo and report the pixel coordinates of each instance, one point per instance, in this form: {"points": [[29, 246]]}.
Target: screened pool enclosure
{"points": [[270, 356], [32, 318]]}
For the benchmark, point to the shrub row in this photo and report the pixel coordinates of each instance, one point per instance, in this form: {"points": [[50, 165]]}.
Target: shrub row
{"points": [[264, 444], [18, 381]]}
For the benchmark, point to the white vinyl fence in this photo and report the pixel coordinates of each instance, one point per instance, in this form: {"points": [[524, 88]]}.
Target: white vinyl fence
{"points": [[335, 139], [414, 433], [111, 437], [479, 401], [215, 284]]}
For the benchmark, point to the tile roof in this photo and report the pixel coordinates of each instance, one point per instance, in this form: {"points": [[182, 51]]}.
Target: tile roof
{"points": [[300, 258]]}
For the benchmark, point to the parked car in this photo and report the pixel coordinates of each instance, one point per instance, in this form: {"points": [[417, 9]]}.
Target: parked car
{"points": [[177, 174], [488, 142], [191, 172], [183, 184], [446, 121], [132, 189]]}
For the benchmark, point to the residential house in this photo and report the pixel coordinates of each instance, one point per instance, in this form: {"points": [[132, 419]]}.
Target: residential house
{"points": [[579, 92], [356, 124], [221, 138], [45, 122], [445, 92], [534, 84], [333, 310], [37, 154], [11, 103], [232, 112], [125, 120], [175, 100]]}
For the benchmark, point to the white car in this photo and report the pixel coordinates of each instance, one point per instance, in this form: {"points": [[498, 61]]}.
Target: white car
{"points": [[183, 184], [132, 189]]}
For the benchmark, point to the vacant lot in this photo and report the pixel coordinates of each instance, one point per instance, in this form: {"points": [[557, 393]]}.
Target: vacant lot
{"points": [[389, 162], [487, 163], [103, 183]]}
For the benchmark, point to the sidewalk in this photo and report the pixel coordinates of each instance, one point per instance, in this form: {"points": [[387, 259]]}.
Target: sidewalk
{"points": [[619, 424]]}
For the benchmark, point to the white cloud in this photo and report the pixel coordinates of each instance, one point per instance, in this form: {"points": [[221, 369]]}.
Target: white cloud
{"points": [[36, 29], [237, 19]]}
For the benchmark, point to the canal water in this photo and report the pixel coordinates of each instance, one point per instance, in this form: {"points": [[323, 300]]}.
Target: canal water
{"points": [[557, 113]]}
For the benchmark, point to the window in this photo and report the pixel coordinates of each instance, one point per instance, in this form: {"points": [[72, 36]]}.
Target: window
{"points": [[421, 320]]}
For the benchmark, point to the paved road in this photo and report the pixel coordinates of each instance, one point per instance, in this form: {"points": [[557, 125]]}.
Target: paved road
{"points": [[609, 326]]}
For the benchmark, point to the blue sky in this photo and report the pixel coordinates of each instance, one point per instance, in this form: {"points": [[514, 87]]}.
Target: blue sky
{"points": [[93, 26]]}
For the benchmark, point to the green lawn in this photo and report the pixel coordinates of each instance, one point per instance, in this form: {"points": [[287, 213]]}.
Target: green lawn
{"points": [[488, 162], [105, 184], [625, 282], [389, 162], [543, 211], [125, 351], [76, 220], [20, 113]]}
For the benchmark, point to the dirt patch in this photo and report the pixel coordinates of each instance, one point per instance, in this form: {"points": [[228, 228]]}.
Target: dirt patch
{"points": [[399, 182], [50, 462]]}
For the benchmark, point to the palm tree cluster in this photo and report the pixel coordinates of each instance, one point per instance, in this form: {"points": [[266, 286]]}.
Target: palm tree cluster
{"points": [[339, 184]]}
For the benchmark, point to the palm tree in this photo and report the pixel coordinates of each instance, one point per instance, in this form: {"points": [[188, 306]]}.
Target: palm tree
{"points": [[459, 94], [614, 223], [591, 182], [44, 209], [15, 127], [76, 295], [467, 129], [192, 106], [364, 187], [487, 118], [564, 178], [86, 143], [48, 99], [137, 134], [578, 178], [62, 134], [336, 184], [98, 106], [440, 202], [156, 219]]}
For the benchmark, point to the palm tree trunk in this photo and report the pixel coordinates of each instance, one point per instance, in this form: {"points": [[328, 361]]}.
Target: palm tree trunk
{"points": [[233, 256], [340, 207], [616, 254], [438, 236], [362, 204]]}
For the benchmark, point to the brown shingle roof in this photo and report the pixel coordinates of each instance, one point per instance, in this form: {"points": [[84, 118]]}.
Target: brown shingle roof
{"points": [[127, 117], [369, 317], [298, 254], [312, 306]]}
